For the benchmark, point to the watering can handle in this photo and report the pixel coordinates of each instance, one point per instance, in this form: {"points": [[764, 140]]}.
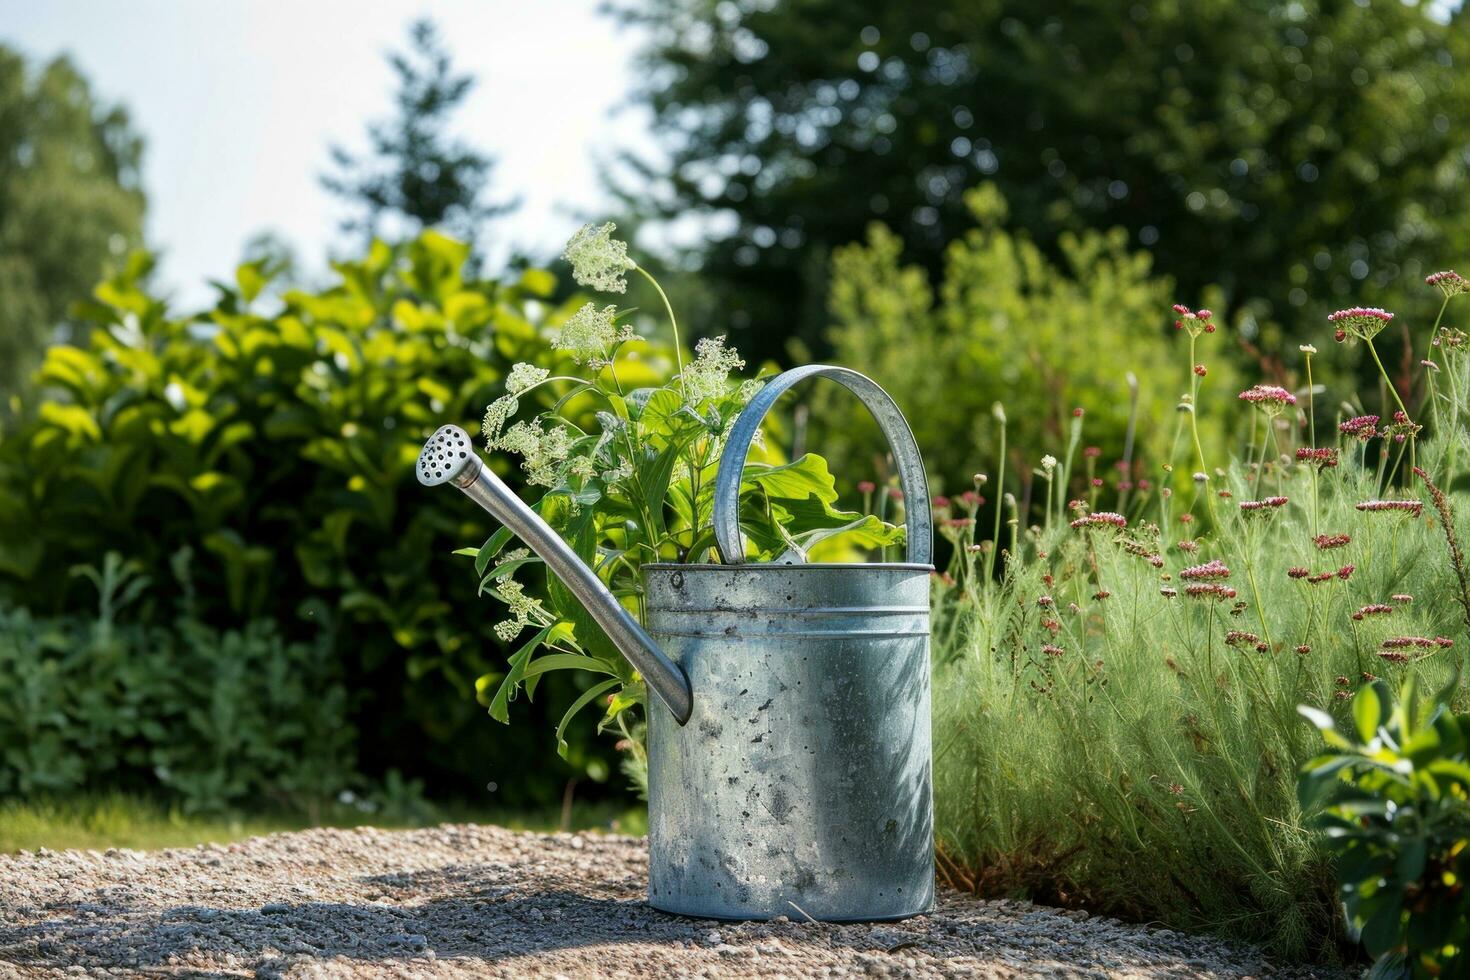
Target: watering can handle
{"points": [[920, 535]]}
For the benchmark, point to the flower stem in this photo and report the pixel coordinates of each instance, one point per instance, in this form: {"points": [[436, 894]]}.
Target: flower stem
{"points": [[673, 322], [1312, 437], [1000, 485], [1429, 371], [1395, 393], [1194, 430], [1250, 574]]}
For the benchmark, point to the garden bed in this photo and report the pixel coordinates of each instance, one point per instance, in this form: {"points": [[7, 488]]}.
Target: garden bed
{"points": [[467, 900]]}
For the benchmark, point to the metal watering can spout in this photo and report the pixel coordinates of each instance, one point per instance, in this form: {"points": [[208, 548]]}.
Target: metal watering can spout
{"points": [[449, 457]]}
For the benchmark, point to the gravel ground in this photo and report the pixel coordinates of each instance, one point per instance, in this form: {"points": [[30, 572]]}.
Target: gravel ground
{"points": [[462, 901]]}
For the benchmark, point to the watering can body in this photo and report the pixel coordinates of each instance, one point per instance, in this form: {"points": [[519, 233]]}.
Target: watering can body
{"points": [[800, 785], [790, 774]]}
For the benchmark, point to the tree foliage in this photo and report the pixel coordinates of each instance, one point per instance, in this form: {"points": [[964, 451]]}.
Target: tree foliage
{"points": [[1283, 150], [69, 199], [416, 175]]}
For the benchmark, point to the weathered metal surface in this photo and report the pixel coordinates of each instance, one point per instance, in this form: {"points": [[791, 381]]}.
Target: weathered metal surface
{"points": [[801, 784], [791, 774]]}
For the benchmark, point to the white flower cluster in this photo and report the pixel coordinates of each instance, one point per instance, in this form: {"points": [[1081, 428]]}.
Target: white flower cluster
{"points": [[599, 260], [524, 610], [514, 555], [749, 388], [708, 375], [590, 332], [523, 376], [496, 415], [543, 452]]}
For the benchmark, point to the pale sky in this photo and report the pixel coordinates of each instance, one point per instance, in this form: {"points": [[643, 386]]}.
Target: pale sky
{"points": [[238, 101]]}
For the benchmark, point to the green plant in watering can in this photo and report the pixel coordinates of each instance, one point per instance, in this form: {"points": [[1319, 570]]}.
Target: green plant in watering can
{"points": [[635, 486]]}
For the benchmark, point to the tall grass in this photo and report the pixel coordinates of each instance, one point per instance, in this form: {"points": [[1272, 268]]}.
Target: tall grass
{"points": [[1106, 740]]}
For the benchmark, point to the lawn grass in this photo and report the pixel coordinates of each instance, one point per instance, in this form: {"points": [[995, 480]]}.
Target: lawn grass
{"points": [[101, 820]]}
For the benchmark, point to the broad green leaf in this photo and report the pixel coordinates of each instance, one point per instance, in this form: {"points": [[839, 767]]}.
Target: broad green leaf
{"points": [[588, 696], [519, 660], [798, 480], [1367, 712], [660, 414], [566, 661]]}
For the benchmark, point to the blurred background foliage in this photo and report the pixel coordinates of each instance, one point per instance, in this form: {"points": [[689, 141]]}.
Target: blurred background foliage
{"points": [[69, 199], [1302, 156], [1006, 324]]}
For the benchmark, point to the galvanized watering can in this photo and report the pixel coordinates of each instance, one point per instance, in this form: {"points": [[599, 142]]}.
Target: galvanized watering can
{"points": [[790, 774]]}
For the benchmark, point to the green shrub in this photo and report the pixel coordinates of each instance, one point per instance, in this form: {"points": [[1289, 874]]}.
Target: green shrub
{"points": [[276, 439], [1006, 324], [1398, 822], [218, 718]]}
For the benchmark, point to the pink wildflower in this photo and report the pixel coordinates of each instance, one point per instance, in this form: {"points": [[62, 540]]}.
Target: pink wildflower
{"points": [[1192, 322], [1409, 642], [1209, 590], [1267, 503], [1359, 322], [1272, 398], [1364, 427], [1101, 519], [1414, 507], [1325, 458], [1448, 282], [1326, 542], [1210, 570]]}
